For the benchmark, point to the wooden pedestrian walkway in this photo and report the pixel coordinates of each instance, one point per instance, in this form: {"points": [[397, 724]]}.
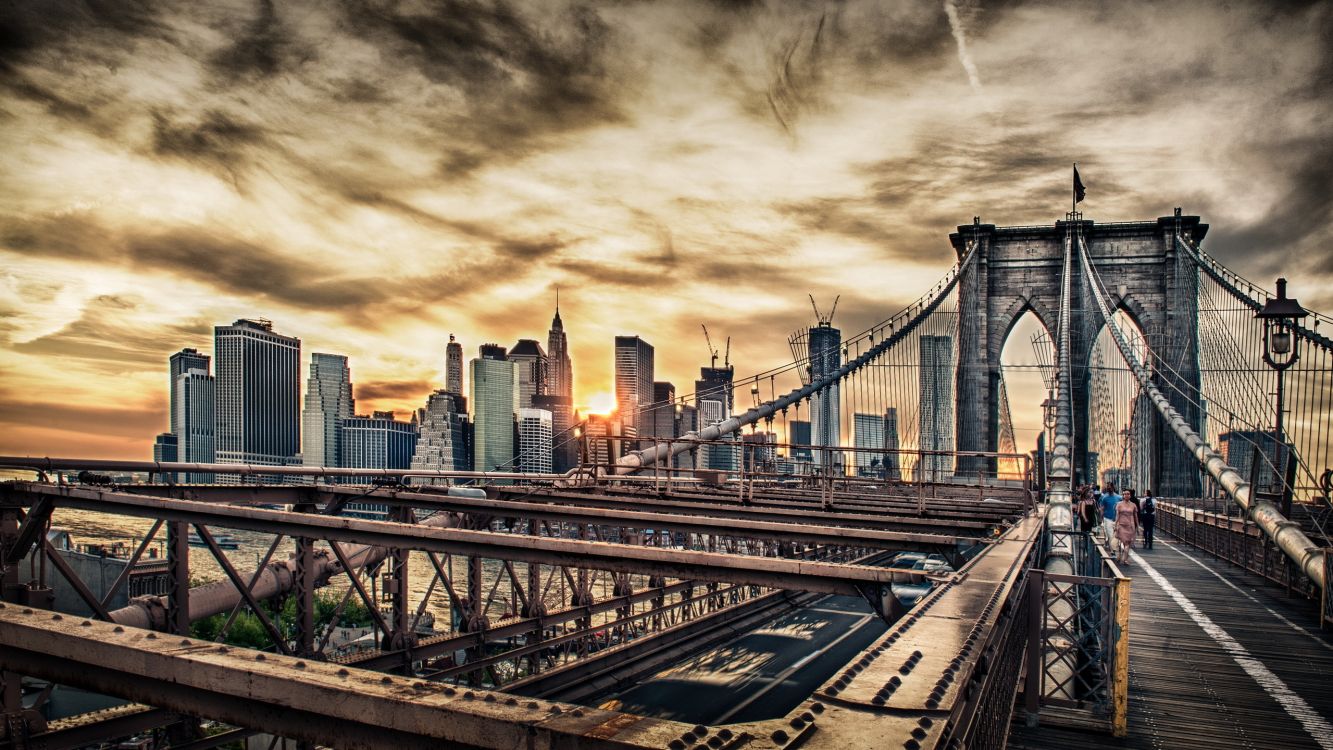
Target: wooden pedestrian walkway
{"points": [[1219, 658]]}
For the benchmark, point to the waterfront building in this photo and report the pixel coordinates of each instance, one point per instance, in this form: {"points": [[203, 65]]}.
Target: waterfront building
{"points": [[453, 366], [799, 437], [825, 417], [376, 442], [560, 369], [328, 401], [164, 447], [564, 447], [663, 426], [868, 433], [687, 421], [193, 414], [178, 364], [535, 432], [438, 429], [494, 404], [634, 382], [606, 438], [893, 462], [532, 367], [257, 407]]}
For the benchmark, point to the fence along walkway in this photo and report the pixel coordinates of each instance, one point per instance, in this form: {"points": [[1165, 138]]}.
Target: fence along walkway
{"points": [[1219, 658]]}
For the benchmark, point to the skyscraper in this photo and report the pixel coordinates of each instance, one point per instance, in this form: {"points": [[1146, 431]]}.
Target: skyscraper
{"points": [[257, 416], [719, 457], [936, 406], [494, 403], [328, 401], [564, 447], [532, 368], [194, 412], [634, 383], [868, 433], [178, 364], [534, 441], [800, 440], [825, 422], [893, 466], [376, 442], [759, 452], [164, 447], [715, 383], [453, 366], [560, 372], [437, 427], [663, 425], [687, 421]]}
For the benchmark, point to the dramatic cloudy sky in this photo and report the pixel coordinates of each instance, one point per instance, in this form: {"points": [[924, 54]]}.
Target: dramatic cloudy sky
{"points": [[374, 175]]}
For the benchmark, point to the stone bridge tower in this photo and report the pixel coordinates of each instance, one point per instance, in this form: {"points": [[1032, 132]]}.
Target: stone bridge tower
{"points": [[1019, 269]]}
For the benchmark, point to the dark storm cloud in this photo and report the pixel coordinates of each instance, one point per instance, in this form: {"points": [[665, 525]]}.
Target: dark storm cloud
{"points": [[528, 250], [264, 47], [215, 141], [92, 29], [618, 274], [198, 254], [247, 269], [1298, 220], [391, 389], [57, 105], [521, 78]]}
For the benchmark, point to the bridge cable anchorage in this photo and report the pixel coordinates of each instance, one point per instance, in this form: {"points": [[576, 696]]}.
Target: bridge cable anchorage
{"points": [[1287, 535], [640, 459]]}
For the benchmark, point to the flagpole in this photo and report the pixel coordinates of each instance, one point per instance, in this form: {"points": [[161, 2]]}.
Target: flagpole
{"points": [[1073, 189]]}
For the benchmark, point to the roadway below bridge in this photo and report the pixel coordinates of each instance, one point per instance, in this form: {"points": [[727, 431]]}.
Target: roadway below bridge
{"points": [[759, 675]]}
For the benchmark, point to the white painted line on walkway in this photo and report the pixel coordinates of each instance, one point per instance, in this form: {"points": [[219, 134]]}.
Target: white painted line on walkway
{"points": [[1315, 725], [1247, 595]]}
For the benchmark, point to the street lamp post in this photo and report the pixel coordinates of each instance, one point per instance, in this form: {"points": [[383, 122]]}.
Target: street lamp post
{"points": [[1281, 351]]}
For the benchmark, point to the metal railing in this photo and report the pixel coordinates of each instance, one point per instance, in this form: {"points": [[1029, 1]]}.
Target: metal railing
{"points": [[1078, 640], [1236, 539]]}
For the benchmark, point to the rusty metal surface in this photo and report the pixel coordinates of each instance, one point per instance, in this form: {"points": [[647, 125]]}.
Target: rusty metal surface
{"points": [[688, 564], [346, 707], [807, 530], [926, 660]]}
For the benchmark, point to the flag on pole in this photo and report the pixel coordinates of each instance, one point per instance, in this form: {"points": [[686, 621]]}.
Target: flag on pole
{"points": [[1079, 191]]}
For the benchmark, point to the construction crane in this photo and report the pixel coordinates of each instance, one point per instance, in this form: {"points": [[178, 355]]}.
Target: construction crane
{"points": [[711, 349], [823, 321], [726, 360]]}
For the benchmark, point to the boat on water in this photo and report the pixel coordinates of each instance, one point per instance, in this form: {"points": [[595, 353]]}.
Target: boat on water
{"points": [[225, 541]]}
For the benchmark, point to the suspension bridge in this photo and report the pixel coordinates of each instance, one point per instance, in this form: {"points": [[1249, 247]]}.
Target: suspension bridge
{"points": [[932, 592]]}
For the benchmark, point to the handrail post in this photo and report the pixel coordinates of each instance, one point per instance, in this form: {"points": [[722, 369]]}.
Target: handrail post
{"points": [[1120, 673], [1032, 684]]}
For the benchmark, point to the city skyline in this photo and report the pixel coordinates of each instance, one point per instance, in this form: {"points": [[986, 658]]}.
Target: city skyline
{"points": [[183, 166]]}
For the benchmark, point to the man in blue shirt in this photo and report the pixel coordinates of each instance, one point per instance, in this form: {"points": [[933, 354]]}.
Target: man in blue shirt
{"points": [[1108, 502]]}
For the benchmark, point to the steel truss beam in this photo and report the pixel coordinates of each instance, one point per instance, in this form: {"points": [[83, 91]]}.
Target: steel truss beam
{"points": [[890, 693], [786, 532], [686, 564]]}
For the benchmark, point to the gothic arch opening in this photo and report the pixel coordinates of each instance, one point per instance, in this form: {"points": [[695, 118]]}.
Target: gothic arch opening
{"points": [[1025, 367], [1120, 419]]}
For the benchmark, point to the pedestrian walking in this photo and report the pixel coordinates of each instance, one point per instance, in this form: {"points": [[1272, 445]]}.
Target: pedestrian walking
{"points": [[1108, 504], [1148, 518], [1126, 528], [1088, 516]]}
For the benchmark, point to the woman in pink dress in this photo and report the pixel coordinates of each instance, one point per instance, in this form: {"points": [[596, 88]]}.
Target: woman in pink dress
{"points": [[1126, 527]]}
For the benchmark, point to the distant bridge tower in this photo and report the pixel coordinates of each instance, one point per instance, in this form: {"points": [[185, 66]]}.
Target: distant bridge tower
{"points": [[1019, 268]]}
